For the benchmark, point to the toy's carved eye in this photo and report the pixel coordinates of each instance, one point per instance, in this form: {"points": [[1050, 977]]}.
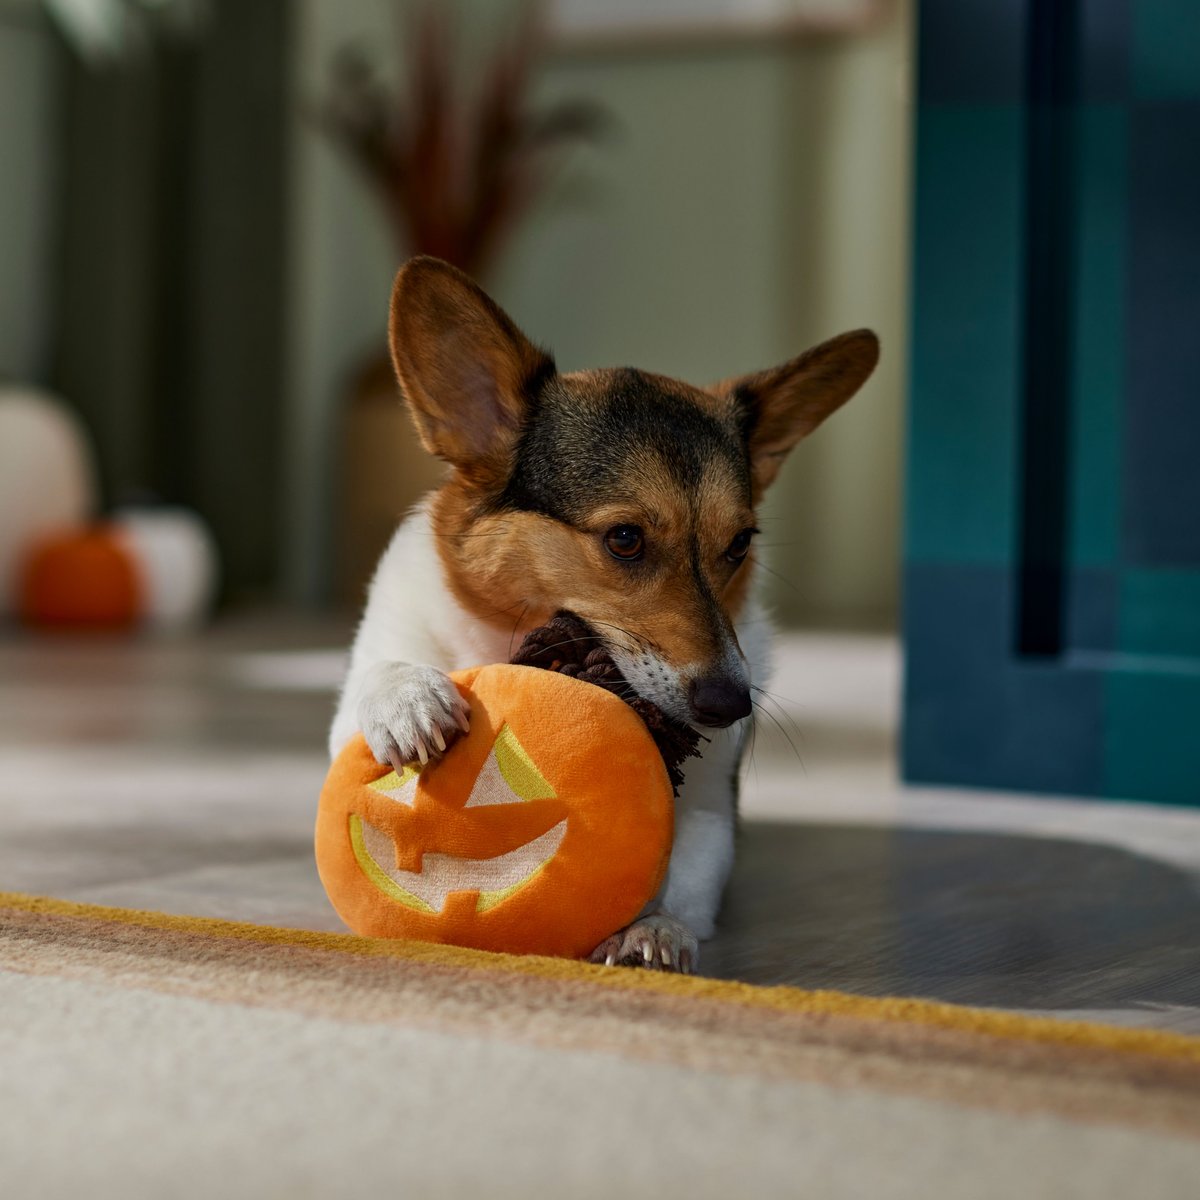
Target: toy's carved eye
{"points": [[625, 542], [509, 776], [740, 546], [399, 786]]}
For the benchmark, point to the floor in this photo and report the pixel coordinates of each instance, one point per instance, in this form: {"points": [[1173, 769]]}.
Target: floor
{"points": [[181, 775]]}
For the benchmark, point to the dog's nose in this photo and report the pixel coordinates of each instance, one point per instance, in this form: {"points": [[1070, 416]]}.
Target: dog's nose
{"points": [[718, 702]]}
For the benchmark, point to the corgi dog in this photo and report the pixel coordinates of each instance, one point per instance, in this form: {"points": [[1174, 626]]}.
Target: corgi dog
{"points": [[624, 497]]}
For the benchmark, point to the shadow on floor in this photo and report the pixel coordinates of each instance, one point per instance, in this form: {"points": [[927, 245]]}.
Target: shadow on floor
{"points": [[986, 919], [998, 920]]}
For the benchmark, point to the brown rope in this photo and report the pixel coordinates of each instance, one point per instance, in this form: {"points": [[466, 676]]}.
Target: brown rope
{"points": [[567, 644]]}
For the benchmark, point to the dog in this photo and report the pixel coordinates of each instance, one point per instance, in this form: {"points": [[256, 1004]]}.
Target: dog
{"points": [[625, 497]]}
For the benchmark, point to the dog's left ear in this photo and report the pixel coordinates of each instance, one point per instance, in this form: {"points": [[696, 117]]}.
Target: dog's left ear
{"points": [[780, 406]]}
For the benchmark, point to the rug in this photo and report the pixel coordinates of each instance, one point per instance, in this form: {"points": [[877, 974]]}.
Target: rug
{"points": [[158, 1056]]}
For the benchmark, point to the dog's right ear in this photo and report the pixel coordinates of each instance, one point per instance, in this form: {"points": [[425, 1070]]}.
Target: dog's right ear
{"points": [[468, 373]]}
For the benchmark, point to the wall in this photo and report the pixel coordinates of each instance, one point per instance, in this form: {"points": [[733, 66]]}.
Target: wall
{"points": [[341, 263], [752, 202], [28, 115]]}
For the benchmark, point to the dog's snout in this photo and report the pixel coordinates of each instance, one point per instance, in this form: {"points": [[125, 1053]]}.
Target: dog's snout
{"points": [[719, 702]]}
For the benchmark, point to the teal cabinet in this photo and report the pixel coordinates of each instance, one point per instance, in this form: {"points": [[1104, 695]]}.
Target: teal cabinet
{"points": [[1052, 565]]}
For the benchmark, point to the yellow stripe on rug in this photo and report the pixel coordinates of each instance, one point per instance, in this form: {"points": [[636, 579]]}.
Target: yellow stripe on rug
{"points": [[1157, 1044]]}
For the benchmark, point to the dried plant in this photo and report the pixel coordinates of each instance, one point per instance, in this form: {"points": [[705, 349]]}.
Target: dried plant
{"points": [[455, 167]]}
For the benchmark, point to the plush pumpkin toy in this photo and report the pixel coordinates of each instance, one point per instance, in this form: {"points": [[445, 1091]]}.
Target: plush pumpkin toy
{"points": [[542, 831]]}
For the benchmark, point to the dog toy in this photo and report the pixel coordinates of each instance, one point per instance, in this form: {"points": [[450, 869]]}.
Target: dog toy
{"points": [[543, 831]]}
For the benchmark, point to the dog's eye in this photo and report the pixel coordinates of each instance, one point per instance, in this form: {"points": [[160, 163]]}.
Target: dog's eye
{"points": [[625, 542], [740, 545]]}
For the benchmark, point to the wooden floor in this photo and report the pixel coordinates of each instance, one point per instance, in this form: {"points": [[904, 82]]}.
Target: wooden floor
{"points": [[182, 776], [976, 918]]}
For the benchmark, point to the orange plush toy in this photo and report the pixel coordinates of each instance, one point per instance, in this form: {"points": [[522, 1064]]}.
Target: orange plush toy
{"points": [[543, 831]]}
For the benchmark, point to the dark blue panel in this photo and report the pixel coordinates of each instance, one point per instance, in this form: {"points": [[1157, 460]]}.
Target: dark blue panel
{"points": [[1121, 84], [1166, 34], [1097, 401], [974, 715], [965, 361], [1092, 601], [971, 51], [1104, 59], [1159, 614], [1161, 525], [1156, 754]]}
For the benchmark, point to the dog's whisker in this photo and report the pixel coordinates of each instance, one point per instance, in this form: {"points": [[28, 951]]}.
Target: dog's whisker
{"points": [[512, 637], [644, 642], [466, 537], [753, 747], [570, 642], [505, 610], [786, 737], [781, 709], [758, 562]]}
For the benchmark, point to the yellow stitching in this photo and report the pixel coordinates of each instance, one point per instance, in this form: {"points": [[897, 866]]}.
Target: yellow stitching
{"points": [[518, 768], [499, 895], [377, 875], [392, 781]]}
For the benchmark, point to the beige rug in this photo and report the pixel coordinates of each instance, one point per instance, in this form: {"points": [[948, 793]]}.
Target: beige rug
{"points": [[143, 1055]]}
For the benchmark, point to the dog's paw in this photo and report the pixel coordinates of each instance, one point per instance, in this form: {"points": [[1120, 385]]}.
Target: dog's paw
{"points": [[410, 713], [657, 942]]}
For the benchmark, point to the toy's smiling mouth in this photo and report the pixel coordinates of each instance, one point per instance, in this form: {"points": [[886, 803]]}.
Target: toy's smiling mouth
{"points": [[495, 879], [509, 776]]}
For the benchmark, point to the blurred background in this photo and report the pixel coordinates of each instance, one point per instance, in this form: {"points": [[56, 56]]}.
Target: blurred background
{"points": [[197, 263], [202, 206]]}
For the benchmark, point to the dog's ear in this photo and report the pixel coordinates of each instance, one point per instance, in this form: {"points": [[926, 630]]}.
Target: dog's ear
{"points": [[780, 406], [468, 373]]}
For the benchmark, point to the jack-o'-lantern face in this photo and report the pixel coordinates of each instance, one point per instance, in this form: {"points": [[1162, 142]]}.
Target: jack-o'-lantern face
{"points": [[508, 777], [544, 830]]}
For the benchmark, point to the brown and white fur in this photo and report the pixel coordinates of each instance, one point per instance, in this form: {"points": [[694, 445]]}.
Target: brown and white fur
{"points": [[625, 497]]}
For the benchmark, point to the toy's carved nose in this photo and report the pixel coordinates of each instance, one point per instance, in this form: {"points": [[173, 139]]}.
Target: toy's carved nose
{"points": [[718, 702]]}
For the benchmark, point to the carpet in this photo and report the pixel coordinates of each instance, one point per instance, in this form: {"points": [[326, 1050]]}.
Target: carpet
{"points": [[150, 1055]]}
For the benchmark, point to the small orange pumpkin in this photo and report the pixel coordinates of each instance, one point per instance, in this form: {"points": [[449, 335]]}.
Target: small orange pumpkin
{"points": [[86, 578], [544, 830]]}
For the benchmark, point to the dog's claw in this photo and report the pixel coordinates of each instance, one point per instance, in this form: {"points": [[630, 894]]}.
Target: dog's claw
{"points": [[410, 714], [654, 943]]}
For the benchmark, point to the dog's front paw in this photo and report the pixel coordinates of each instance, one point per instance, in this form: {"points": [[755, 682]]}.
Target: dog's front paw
{"points": [[410, 713], [657, 942]]}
